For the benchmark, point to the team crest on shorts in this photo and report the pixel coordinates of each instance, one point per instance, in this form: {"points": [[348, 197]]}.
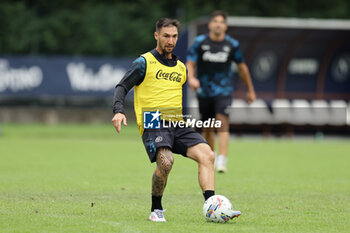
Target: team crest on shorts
{"points": [[159, 139]]}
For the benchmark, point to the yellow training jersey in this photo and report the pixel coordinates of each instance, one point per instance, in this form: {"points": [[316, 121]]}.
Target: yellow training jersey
{"points": [[160, 90]]}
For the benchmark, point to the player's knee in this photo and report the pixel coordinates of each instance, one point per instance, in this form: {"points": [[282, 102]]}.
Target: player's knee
{"points": [[165, 160], [225, 125], [208, 156], [165, 166], [211, 156]]}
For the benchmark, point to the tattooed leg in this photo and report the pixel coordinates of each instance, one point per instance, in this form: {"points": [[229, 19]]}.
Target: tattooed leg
{"points": [[165, 162]]}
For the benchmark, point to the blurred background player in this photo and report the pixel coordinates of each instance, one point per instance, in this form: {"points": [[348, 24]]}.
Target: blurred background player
{"points": [[209, 63]]}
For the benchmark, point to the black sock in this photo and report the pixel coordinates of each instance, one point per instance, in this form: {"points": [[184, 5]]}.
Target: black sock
{"points": [[208, 193], [156, 203]]}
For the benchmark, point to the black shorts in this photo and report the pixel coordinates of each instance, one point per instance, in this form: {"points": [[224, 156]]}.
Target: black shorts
{"points": [[177, 139], [209, 107]]}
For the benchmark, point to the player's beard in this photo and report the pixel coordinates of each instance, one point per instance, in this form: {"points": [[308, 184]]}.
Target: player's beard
{"points": [[167, 50], [218, 32]]}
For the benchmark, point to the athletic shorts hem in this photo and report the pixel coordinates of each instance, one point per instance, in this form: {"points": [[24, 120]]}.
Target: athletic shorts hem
{"points": [[177, 139]]}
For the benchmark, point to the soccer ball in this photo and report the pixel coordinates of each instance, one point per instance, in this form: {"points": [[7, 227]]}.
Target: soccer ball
{"points": [[218, 208]]}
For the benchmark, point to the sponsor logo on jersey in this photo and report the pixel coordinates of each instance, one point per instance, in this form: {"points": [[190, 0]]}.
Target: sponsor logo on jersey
{"points": [[226, 49], [219, 57], [171, 76], [205, 47]]}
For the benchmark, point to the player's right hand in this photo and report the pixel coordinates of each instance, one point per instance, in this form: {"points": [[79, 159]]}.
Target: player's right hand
{"points": [[117, 121], [193, 83]]}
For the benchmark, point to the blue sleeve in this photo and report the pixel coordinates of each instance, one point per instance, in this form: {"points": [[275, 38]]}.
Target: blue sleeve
{"points": [[237, 55], [139, 65], [134, 76], [192, 54]]}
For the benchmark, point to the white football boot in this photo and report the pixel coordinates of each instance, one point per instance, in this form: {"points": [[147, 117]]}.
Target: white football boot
{"points": [[157, 216], [235, 214], [221, 164]]}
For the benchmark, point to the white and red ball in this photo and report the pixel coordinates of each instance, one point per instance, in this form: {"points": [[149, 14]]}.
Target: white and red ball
{"points": [[217, 208]]}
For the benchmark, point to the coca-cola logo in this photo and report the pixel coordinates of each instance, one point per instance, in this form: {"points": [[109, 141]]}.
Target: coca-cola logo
{"points": [[219, 57], [173, 76]]}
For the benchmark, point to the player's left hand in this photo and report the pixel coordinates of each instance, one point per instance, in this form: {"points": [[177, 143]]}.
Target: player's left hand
{"points": [[251, 96]]}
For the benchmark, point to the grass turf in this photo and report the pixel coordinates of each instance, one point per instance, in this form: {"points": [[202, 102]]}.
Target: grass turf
{"points": [[86, 178]]}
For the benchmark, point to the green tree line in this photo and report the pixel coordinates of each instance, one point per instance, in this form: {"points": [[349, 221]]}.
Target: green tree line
{"points": [[125, 28]]}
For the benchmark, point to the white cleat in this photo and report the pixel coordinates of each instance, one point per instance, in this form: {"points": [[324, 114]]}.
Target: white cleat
{"points": [[157, 216], [221, 164], [221, 168], [235, 214]]}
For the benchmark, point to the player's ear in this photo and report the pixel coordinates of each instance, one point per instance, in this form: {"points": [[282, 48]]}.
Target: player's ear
{"points": [[156, 35]]}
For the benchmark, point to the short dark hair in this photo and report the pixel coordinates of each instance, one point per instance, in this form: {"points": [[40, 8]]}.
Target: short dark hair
{"points": [[166, 22], [218, 13]]}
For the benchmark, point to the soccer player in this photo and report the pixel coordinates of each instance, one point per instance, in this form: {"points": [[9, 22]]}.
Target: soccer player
{"points": [[158, 78], [212, 54]]}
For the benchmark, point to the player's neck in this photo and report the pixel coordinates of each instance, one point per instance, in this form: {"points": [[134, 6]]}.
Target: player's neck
{"points": [[217, 38], [166, 55]]}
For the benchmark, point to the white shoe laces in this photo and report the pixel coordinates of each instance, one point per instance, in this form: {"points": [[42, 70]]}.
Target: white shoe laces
{"points": [[159, 213]]}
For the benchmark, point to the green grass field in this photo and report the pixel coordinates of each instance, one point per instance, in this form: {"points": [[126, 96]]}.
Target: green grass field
{"points": [[51, 175]]}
